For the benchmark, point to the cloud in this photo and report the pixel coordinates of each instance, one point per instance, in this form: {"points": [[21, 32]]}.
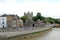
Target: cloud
{"points": [[8, 1], [46, 8]]}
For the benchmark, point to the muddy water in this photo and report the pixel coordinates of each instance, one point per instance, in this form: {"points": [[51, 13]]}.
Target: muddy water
{"points": [[53, 34]]}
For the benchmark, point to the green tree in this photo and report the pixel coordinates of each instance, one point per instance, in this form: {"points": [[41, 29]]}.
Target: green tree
{"points": [[38, 16], [51, 20], [34, 18], [24, 18], [57, 21]]}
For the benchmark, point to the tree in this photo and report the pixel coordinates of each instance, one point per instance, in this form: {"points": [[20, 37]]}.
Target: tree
{"points": [[38, 16], [51, 20], [24, 18], [57, 21], [34, 18]]}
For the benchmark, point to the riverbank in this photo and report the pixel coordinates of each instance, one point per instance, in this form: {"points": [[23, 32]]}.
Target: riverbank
{"points": [[32, 35], [56, 26], [22, 34], [53, 34]]}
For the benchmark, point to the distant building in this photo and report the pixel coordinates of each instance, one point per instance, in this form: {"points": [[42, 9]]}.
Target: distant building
{"points": [[28, 15], [17, 23], [29, 20], [39, 23], [21, 23], [12, 20], [3, 22]]}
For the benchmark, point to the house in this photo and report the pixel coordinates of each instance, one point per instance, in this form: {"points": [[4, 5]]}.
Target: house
{"points": [[17, 23], [12, 20], [9, 19], [40, 23], [21, 23], [3, 22]]}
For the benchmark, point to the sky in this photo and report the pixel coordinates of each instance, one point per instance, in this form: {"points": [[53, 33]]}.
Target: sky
{"points": [[48, 8]]}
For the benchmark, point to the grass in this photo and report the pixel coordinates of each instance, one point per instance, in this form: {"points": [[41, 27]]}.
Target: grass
{"points": [[56, 26]]}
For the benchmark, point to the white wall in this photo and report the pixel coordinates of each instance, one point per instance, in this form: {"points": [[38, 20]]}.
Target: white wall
{"points": [[3, 19]]}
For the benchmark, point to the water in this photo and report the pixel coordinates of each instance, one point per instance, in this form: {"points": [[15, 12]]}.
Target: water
{"points": [[53, 34]]}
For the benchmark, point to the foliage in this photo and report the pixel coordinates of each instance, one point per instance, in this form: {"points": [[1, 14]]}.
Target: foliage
{"points": [[57, 21], [34, 18], [24, 18], [44, 19], [38, 16], [50, 20]]}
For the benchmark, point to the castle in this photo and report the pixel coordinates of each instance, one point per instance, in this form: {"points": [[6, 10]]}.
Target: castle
{"points": [[29, 20]]}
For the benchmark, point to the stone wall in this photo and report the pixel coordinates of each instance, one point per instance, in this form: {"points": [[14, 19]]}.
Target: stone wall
{"points": [[23, 36]]}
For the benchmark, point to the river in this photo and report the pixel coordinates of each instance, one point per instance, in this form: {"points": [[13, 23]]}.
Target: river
{"points": [[53, 34]]}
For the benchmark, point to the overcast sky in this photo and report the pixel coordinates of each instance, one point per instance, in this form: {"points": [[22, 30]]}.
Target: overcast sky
{"points": [[48, 8]]}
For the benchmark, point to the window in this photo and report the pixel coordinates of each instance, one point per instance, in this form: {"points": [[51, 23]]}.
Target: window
{"points": [[3, 22], [14, 22], [3, 26]]}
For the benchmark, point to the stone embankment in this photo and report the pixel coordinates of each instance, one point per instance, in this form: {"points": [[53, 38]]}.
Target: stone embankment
{"points": [[18, 33]]}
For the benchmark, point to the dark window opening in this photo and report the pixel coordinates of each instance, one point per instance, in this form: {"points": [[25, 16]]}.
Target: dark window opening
{"points": [[33, 25], [3, 22], [3, 26]]}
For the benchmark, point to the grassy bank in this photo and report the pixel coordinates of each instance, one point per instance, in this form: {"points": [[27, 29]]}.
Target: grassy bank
{"points": [[56, 26]]}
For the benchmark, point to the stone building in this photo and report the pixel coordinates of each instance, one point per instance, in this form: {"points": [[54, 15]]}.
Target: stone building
{"points": [[12, 20], [29, 15], [30, 23], [17, 23], [21, 23], [29, 20], [40, 23]]}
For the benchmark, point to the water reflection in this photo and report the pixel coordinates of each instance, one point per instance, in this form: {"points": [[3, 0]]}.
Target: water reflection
{"points": [[53, 34]]}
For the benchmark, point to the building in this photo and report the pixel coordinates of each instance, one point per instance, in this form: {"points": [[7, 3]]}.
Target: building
{"points": [[17, 23], [29, 20], [21, 23], [12, 20], [3, 22], [28, 15], [40, 23]]}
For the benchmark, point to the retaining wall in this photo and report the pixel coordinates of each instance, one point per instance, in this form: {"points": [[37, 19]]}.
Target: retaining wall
{"points": [[22, 34]]}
